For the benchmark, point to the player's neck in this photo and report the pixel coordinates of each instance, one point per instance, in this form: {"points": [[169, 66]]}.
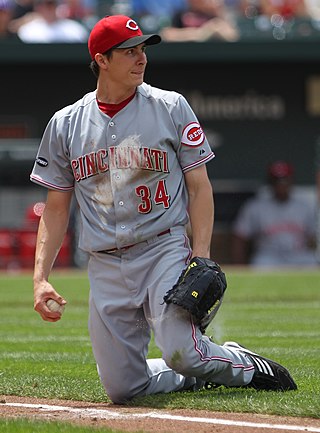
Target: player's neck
{"points": [[114, 95]]}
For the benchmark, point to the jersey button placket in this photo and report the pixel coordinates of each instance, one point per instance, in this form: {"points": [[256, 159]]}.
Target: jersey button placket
{"points": [[111, 125], [119, 204]]}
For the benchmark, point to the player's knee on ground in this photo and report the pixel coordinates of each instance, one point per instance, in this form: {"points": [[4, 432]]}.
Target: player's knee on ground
{"points": [[122, 392], [119, 395]]}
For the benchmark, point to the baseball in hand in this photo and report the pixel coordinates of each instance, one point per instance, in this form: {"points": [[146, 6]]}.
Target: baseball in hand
{"points": [[54, 306]]}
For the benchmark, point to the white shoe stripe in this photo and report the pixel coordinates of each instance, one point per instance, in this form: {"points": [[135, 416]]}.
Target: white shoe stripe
{"points": [[263, 366], [268, 367], [260, 365]]}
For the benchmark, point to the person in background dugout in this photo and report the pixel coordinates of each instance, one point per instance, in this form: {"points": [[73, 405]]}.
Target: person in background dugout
{"points": [[277, 227], [317, 184]]}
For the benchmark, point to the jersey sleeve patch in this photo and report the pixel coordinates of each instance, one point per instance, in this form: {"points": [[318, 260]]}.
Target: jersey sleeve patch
{"points": [[42, 161], [192, 135]]}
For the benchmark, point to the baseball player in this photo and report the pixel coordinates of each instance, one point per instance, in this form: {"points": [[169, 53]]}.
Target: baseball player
{"points": [[277, 225], [317, 187], [135, 157]]}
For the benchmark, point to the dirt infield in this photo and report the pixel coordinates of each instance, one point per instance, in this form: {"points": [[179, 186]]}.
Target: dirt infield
{"points": [[147, 420]]}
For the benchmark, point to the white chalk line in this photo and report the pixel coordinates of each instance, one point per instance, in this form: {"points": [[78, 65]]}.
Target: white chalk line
{"points": [[109, 414]]}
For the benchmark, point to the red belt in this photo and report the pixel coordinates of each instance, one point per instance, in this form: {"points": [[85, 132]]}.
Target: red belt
{"points": [[113, 250]]}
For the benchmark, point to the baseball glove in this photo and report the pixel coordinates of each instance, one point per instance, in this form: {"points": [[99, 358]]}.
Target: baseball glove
{"points": [[199, 290]]}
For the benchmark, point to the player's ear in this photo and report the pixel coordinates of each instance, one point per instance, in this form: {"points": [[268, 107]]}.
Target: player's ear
{"points": [[101, 60]]}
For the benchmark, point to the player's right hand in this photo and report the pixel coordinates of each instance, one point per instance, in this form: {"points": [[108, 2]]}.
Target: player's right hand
{"points": [[44, 291]]}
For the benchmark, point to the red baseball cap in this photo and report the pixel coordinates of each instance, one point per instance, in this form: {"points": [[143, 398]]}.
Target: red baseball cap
{"points": [[280, 169], [117, 31]]}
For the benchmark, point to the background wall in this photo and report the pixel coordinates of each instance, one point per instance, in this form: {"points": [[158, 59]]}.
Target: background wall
{"points": [[257, 101]]}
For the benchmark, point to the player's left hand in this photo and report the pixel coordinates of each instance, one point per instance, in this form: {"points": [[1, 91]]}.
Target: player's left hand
{"points": [[199, 290]]}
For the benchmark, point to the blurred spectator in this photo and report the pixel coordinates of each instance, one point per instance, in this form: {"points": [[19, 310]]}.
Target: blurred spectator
{"points": [[288, 9], [154, 14], [6, 8], [83, 11], [21, 8], [313, 8], [156, 7], [277, 18], [44, 25], [203, 20], [277, 227]]}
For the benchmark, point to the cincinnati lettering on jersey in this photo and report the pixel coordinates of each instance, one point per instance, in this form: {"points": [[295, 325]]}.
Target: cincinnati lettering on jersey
{"points": [[102, 160]]}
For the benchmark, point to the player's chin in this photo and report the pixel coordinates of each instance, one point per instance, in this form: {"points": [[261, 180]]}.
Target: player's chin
{"points": [[137, 79]]}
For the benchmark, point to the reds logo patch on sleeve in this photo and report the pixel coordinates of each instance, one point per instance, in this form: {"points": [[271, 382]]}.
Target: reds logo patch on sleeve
{"points": [[192, 135]]}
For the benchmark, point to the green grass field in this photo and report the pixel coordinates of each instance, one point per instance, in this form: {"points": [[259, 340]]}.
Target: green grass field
{"points": [[276, 314]]}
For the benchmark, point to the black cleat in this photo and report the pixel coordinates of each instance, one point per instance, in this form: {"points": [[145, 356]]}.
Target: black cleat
{"points": [[268, 375]]}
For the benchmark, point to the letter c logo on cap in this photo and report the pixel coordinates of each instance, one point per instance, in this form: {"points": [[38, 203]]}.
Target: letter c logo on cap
{"points": [[132, 25]]}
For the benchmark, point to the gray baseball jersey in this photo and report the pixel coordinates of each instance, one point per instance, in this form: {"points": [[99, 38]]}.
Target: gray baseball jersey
{"points": [[127, 172]]}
